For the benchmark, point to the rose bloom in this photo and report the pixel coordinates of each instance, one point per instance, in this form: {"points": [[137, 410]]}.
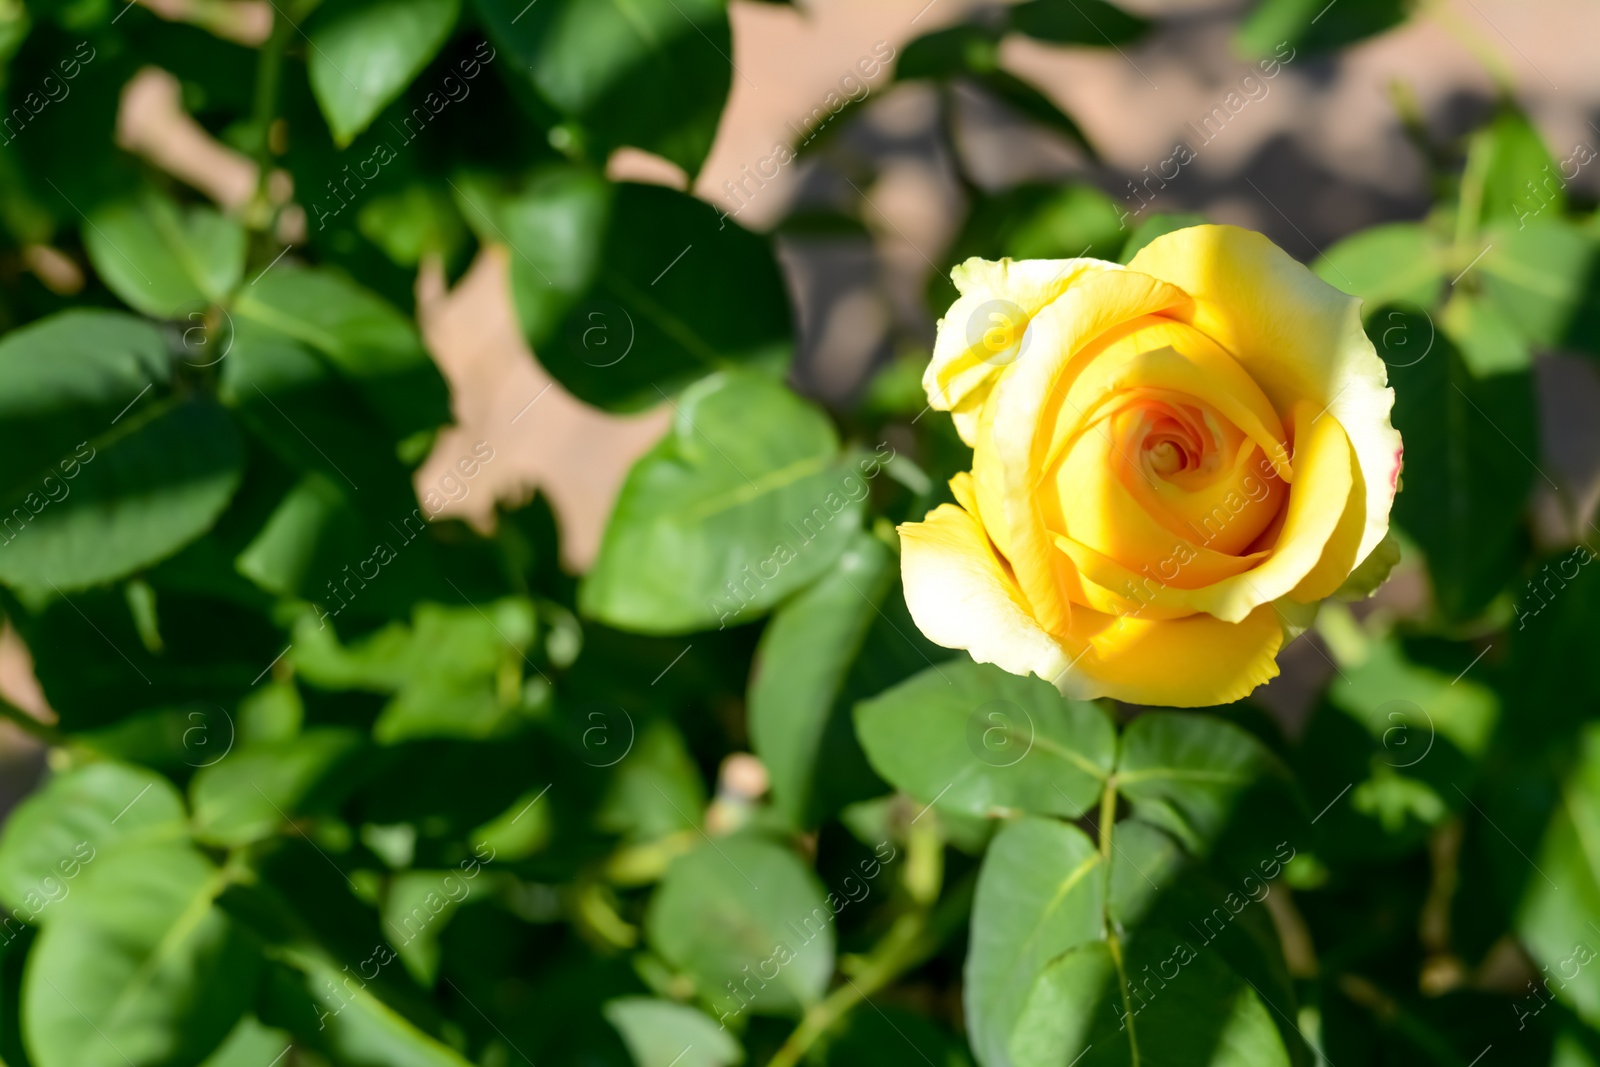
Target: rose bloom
{"points": [[1174, 462]]}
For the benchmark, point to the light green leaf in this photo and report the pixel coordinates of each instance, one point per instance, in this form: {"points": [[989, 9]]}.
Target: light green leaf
{"points": [[742, 906], [417, 906], [1489, 341], [164, 260], [140, 968], [1041, 892], [74, 819], [800, 667], [1541, 277], [744, 502], [979, 741], [1509, 173], [250, 1045], [357, 1028], [254, 792], [363, 54], [661, 1033], [1399, 262]]}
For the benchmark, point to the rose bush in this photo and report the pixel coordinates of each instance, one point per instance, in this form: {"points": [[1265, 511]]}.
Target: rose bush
{"points": [[1173, 463]]}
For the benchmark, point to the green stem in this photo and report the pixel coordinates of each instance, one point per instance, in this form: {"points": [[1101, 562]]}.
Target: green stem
{"points": [[914, 937], [269, 74], [1108, 818], [31, 726]]}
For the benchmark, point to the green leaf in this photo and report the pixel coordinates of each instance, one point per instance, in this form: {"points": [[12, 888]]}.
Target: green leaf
{"points": [[363, 54], [250, 1045], [76, 817], [948, 53], [354, 1026], [653, 74], [701, 538], [1314, 25], [656, 790], [1040, 892], [1489, 341], [1208, 1015], [1542, 277], [455, 671], [611, 286], [1086, 22], [1470, 450], [743, 914], [1032, 221], [980, 741], [1409, 736], [366, 340], [413, 223], [107, 474], [660, 1033], [1560, 904], [1509, 174], [256, 792], [1396, 263], [417, 906], [1189, 774], [796, 717], [164, 260], [140, 968]]}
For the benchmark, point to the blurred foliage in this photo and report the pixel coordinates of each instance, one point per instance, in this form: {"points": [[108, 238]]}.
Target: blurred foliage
{"points": [[338, 782]]}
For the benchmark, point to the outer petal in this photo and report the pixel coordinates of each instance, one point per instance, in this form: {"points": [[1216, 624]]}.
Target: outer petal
{"points": [[1183, 663], [998, 300], [962, 596], [1300, 339]]}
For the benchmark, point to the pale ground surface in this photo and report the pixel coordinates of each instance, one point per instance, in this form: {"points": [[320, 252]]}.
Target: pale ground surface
{"points": [[1319, 155]]}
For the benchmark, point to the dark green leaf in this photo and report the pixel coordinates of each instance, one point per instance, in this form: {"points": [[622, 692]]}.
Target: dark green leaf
{"points": [[1154, 227], [368, 342], [649, 73], [1088, 22], [1470, 450], [1283, 27], [1190, 774], [628, 293], [796, 718]]}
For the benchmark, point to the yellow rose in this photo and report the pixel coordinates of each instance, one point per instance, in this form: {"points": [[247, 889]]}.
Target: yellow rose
{"points": [[1173, 463]]}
